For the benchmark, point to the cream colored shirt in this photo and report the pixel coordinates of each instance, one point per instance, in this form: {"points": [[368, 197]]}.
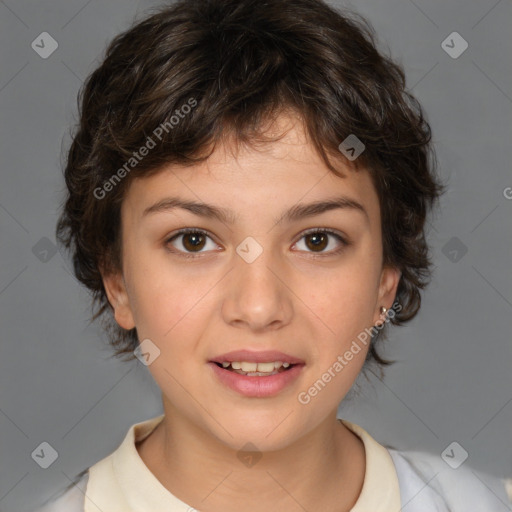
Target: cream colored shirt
{"points": [[121, 482]]}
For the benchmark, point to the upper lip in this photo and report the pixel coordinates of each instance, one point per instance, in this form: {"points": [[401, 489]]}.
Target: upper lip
{"points": [[264, 356]]}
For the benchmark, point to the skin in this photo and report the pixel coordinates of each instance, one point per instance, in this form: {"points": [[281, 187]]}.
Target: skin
{"points": [[305, 301]]}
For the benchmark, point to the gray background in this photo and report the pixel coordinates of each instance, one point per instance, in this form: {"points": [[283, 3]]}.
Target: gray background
{"points": [[453, 382]]}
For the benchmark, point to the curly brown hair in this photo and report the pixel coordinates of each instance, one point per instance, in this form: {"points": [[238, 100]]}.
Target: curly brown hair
{"points": [[241, 63]]}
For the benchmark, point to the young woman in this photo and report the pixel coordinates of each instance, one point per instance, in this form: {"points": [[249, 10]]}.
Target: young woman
{"points": [[247, 194]]}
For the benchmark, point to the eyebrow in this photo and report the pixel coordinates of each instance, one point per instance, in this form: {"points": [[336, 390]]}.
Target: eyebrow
{"points": [[224, 215]]}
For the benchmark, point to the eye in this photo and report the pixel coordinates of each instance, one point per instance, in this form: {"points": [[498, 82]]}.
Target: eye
{"points": [[193, 240], [317, 240]]}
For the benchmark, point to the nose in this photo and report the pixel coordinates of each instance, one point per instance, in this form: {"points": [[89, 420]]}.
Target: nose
{"points": [[258, 296]]}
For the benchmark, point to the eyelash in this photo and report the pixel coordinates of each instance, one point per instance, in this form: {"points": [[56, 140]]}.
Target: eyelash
{"points": [[185, 231]]}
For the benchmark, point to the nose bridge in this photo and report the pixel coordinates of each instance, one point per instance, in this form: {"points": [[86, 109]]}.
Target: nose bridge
{"points": [[254, 263], [257, 295]]}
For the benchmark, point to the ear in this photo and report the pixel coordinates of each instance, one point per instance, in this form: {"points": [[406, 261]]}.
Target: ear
{"points": [[389, 279], [117, 295]]}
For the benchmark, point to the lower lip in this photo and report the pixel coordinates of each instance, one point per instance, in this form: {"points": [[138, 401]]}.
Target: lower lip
{"points": [[258, 387]]}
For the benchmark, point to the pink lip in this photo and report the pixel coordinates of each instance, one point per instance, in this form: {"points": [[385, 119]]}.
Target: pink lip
{"points": [[265, 356], [257, 387]]}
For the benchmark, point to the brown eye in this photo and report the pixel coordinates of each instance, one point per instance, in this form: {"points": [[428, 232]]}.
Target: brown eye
{"points": [[193, 241], [317, 241], [188, 242]]}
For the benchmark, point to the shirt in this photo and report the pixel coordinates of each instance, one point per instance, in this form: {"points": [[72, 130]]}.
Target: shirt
{"points": [[394, 481]]}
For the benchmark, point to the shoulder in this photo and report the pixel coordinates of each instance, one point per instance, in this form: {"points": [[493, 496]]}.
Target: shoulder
{"points": [[426, 481], [69, 499]]}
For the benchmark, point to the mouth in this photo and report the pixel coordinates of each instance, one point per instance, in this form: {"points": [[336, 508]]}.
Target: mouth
{"points": [[250, 382]]}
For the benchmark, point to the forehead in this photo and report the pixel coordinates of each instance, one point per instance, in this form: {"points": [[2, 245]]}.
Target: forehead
{"points": [[257, 178]]}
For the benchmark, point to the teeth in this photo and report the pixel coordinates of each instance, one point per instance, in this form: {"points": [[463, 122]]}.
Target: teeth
{"points": [[255, 368], [263, 367]]}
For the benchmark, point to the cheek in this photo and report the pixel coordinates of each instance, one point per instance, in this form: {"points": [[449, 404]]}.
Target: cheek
{"points": [[343, 298], [340, 305], [165, 299]]}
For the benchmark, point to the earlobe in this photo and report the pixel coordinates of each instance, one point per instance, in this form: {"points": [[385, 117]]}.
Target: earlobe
{"points": [[117, 295], [390, 277]]}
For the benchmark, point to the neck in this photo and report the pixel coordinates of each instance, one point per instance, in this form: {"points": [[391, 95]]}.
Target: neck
{"points": [[324, 470]]}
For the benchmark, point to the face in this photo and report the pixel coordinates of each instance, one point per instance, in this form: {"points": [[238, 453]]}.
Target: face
{"points": [[266, 275]]}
